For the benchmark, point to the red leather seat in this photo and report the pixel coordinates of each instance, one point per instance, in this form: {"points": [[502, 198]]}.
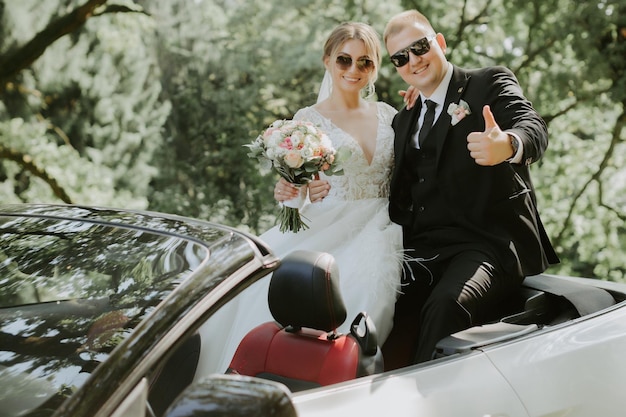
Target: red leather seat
{"points": [[302, 348]]}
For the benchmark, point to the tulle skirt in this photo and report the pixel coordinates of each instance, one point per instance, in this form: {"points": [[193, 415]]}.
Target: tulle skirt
{"points": [[368, 250]]}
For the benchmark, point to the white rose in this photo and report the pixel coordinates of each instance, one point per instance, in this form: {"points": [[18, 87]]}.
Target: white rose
{"points": [[293, 159]]}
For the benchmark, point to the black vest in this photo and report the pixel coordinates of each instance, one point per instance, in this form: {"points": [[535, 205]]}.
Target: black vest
{"points": [[435, 227], [429, 210]]}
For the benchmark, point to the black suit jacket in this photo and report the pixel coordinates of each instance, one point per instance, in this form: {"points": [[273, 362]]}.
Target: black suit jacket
{"points": [[498, 203]]}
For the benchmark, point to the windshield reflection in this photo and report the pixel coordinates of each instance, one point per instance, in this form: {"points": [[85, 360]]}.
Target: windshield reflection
{"points": [[70, 292]]}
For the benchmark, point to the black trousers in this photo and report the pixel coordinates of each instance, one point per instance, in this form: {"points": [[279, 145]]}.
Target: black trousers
{"points": [[443, 294]]}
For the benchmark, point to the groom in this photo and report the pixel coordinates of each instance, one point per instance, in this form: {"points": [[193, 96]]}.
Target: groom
{"points": [[461, 187]]}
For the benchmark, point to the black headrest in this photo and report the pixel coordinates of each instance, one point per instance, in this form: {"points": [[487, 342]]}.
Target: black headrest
{"points": [[304, 292]]}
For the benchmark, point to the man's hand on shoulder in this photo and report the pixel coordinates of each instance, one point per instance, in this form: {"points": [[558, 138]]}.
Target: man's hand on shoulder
{"points": [[410, 96]]}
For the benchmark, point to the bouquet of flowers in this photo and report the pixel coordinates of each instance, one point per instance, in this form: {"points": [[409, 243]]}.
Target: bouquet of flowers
{"points": [[297, 151]]}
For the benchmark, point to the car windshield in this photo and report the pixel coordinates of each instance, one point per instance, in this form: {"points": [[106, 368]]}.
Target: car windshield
{"points": [[70, 291]]}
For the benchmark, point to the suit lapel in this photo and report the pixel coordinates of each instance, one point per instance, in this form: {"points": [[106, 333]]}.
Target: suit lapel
{"points": [[407, 128], [407, 125], [456, 89]]}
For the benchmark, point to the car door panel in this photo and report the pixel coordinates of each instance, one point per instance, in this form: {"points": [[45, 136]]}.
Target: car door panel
{"points": [[575, 369], [465, 385]]}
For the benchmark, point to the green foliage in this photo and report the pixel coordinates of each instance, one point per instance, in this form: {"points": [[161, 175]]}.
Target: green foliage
{"points": [[98, 95], [60, 162], [153, 109]]}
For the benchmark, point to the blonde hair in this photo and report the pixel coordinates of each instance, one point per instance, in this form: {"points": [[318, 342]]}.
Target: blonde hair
{"points": [[362, 32], [405, 19]]}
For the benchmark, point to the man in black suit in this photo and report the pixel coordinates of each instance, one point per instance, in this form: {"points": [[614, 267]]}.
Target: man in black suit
{"points": [[461, 189]]}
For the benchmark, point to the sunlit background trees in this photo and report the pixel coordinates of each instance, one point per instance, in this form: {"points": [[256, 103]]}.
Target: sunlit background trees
{"points": [[146, 104]]}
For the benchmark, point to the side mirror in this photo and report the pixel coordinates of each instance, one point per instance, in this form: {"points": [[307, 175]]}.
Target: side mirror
{"points": [[231, 396]]}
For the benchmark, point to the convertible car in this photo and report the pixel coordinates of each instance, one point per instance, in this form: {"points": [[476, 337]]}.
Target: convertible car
{"points": [[108, 312]]}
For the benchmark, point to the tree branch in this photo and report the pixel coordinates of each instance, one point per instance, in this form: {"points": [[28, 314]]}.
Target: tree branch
{"points": [[19, 59], [23, 57], [463, 24], [617, 132], [579, 100], [26, 162]]}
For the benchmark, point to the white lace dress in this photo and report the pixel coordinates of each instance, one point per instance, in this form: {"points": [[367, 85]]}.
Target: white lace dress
{"points": [[351, 223]]}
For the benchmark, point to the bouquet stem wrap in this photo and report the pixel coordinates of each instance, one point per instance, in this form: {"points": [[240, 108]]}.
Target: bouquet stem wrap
{"points": [[289, 217]]}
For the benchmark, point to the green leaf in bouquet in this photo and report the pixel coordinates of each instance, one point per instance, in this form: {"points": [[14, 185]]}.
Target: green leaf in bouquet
{"points": [[336, 168]]}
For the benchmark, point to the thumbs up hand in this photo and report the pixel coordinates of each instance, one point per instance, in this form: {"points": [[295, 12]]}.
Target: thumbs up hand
{"points": [[492, 146]]}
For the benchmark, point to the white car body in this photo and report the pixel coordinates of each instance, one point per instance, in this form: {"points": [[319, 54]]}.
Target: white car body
{"points": [[573, 369]]}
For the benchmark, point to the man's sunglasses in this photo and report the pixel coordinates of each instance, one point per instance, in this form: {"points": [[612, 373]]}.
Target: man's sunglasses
{"points": [[344, 62], [417, 48]]}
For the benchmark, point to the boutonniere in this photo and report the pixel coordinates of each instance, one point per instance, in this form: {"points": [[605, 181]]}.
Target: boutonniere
{"points": [[458, 111]]}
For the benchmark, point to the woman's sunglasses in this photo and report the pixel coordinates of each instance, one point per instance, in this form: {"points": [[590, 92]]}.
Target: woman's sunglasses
{"points": [[344, 62], [417, 48]]}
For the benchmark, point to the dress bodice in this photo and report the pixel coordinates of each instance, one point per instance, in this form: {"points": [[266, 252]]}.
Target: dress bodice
{"points": [[361, 180]]}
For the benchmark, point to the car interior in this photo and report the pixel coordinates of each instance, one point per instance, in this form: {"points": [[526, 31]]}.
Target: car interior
{"points": [[540, 302], [309, 353], [302, 348]]}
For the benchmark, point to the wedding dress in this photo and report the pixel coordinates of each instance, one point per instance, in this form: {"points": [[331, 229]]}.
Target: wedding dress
{"points": [[351, 223]]}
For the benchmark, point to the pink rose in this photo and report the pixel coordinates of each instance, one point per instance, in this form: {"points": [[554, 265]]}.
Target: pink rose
{"points": [[286, 144]]}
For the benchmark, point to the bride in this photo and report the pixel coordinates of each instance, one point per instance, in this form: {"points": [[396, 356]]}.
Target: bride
{"points": [[347, 215]]}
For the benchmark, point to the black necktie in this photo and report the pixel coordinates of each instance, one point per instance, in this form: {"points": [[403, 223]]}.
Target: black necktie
{"points": [[429, 118]]}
